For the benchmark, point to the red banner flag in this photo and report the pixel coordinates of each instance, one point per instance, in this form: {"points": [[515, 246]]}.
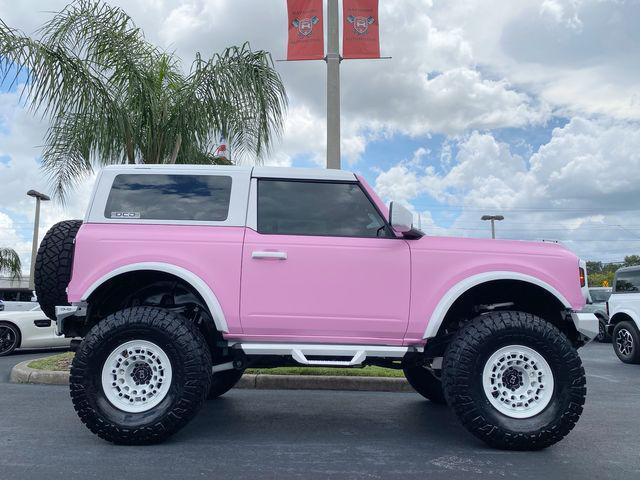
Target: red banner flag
{"points": [[306, 32], [360, 29]]}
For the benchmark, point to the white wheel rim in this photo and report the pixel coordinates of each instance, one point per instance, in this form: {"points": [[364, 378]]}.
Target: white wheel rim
{"points": [[136, 376], [518, 381]]}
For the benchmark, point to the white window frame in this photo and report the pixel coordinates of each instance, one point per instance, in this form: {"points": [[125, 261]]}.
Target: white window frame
{"points": [[236, 216]]}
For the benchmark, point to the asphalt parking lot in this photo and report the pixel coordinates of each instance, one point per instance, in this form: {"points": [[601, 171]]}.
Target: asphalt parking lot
{"points": [[317, 434]]}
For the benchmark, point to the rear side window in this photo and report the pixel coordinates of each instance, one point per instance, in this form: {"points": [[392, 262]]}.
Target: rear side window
{"points": [[203, 198], [288, 207], [628, 282]]}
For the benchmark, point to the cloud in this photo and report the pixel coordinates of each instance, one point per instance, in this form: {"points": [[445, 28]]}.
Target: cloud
{"points": [[582, 187]]}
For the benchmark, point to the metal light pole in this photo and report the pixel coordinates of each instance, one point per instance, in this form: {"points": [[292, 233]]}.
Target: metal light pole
{"points": [[36, 223], [333, 85], [493, 219]]}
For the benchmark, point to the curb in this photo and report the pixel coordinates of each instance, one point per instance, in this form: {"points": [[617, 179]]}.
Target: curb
{"points": [[22, 373], [313, 382]]}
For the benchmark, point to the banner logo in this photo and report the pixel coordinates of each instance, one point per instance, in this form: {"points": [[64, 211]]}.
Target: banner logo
{"points": [[305, 26], [360, 29], [360, 24], [306, 32]]}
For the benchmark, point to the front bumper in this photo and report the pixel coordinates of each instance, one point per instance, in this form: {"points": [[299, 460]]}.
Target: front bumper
{"points": [[586, 324]]}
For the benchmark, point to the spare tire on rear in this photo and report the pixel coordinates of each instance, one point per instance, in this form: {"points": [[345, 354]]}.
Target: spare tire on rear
{"points": [[53, 266]]}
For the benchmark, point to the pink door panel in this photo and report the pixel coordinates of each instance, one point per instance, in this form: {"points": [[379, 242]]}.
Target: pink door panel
{"points": [[328, 289]]}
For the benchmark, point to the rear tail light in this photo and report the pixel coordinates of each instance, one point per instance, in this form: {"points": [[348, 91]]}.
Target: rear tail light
{"points": [[583, 277]]}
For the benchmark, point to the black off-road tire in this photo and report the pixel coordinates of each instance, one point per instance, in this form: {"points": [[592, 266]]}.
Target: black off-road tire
{"points": [[191, 375], [630, 331], [463, 367], [425, 383], [53, 266], [222, 382]]}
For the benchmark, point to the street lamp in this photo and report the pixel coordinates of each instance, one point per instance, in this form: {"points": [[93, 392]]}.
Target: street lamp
{"points": [[36, 223], [493, 219]]}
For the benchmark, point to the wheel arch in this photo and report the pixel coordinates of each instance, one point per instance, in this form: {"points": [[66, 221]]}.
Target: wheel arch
{"points": [[624, 315], [492, 286], [188, 277]]}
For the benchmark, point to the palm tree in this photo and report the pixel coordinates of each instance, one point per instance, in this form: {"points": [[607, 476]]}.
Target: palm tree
{"points": [[112, 97], [10, 263]]}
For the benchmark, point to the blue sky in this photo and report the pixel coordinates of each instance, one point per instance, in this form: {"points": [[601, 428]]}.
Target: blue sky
{"points": [[533, 113]]}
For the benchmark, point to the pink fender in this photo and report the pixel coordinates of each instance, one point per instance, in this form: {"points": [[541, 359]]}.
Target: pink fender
{"points": [[445, 267]]}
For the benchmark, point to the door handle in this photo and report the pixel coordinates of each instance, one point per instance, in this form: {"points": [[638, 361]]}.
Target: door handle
{"points": [[275, 255]]}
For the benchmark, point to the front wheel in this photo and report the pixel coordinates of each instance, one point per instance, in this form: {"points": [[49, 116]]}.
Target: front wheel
{"points": [[140, 375], [514, 380], [626, 342]]}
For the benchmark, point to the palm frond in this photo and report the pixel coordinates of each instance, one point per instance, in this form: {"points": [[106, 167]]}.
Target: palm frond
{"points": [[10, 263], [237, 94], [112, 97]]}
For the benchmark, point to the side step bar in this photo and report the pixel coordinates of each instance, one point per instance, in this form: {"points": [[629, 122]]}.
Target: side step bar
{"points": [[354, 354]]}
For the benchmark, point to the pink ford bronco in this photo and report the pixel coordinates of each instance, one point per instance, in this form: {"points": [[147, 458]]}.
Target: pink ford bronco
{"points": [[181, 277]]}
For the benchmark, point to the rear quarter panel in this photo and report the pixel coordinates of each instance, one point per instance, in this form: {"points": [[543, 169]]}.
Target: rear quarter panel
{"points": [[212, 253]]}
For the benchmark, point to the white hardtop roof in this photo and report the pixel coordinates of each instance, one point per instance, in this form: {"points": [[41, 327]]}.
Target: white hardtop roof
{"points": [[302, 173], [257, 172]]}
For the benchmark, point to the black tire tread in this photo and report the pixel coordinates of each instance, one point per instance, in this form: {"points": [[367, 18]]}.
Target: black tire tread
{"points": [[197, 370], [458, 366], [53, 266]]}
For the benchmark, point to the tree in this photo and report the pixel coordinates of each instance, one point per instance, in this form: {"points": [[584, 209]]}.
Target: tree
{"points": [[10, 263], [112, 97], [601, 274], [594, 267], [631, 260]]}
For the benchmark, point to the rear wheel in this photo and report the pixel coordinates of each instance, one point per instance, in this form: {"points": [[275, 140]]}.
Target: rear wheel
{"points": [[603, 336], [9, 338], [514, 380], [140, 375], [626, 342], [425, 382], [222, 382]]}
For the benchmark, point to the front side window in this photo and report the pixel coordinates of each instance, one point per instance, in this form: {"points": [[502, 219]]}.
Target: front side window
{"points": [[288, 207], [628, 282], [203, 198]]}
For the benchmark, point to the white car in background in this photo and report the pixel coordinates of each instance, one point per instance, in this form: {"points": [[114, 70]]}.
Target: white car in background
{"points": [[30, 329], [624, 311]]}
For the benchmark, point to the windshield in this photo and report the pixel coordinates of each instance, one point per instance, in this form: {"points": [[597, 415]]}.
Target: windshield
{"points": [[599, 296]]}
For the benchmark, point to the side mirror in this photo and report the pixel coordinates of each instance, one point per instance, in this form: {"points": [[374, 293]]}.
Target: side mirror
{"points": [[400, 218]]}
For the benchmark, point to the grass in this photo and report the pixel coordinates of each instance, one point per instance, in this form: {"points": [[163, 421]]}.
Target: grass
{"points": [[58, 363], [62, 362]]}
